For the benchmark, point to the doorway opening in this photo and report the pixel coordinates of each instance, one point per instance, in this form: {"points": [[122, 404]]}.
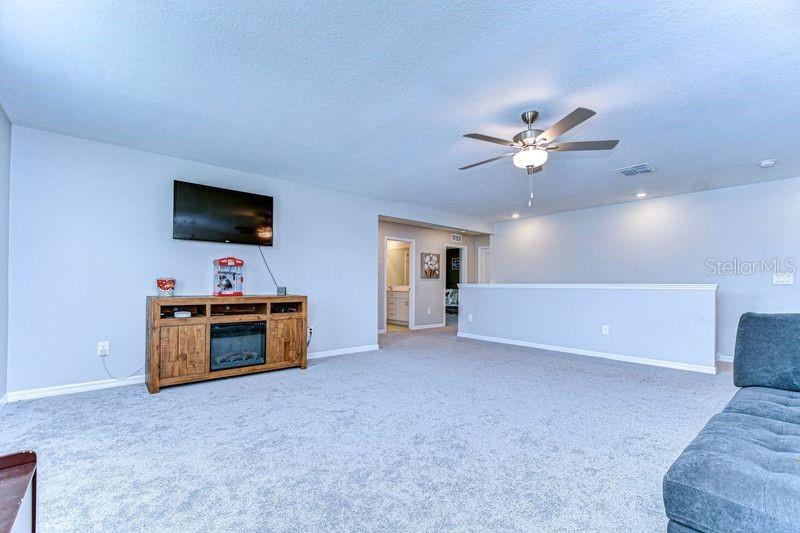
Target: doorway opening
{"points": [[399, 283], [456, 272]]}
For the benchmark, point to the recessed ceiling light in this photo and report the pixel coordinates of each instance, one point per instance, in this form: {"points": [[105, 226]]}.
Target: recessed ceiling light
{"points": [[515, 215], [641, 194], [766, 163]]}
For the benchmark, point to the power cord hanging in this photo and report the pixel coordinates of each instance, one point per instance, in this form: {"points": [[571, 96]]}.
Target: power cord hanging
{"points": [[105, 367], [260, 251]]}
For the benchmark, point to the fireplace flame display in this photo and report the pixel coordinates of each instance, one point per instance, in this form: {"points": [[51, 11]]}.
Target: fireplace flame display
{"points": [[237, 345]]}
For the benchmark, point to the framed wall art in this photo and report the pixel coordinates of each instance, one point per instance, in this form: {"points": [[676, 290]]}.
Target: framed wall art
{"points": [[430, 266]]}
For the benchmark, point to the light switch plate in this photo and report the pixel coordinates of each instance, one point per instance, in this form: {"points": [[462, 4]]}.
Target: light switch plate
{"points": [[605, 330], [469, 317], [782, 278]]}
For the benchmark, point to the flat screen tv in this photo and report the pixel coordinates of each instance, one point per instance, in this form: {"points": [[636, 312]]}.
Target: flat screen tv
{"points": [[203, 213]]}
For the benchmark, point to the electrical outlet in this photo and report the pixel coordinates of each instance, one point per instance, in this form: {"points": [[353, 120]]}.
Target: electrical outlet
{"points": [[429, 310], [605, 330], [469, 317], [103, 348]]}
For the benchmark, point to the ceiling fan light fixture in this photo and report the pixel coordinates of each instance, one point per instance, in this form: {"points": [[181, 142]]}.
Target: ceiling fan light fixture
{"points": [[530, 157]]}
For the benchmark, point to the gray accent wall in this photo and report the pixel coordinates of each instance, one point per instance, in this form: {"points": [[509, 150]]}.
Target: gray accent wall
{"points": [[91, 225], [662, 325], [668, 240], [5, 179]]}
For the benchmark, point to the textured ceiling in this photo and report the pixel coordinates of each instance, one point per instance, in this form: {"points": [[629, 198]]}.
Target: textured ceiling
{"points": [[373, 98]]}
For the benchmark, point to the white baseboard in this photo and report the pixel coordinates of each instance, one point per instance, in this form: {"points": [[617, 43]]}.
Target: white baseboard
{"points": [[429, 326], [58, 390], [381, 331], [593, 353], [724, 358], [343, 351]]}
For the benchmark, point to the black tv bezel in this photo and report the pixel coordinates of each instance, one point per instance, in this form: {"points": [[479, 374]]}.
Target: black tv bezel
{"points": [[223, 190]]}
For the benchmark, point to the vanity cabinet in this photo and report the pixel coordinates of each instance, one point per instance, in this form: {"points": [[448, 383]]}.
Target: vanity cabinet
{"points": [[397, 307]]}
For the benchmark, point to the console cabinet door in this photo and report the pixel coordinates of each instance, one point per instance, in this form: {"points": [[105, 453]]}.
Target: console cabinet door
{"points": [[284, 338], [183, 351]]}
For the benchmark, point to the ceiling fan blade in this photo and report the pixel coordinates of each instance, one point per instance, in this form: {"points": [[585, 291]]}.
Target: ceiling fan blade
{"points": [[583, 145], [487, 161], [565, 124], [489, 138]]}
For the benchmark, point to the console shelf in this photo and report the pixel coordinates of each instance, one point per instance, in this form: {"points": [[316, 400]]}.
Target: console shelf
{"points": [[179, 350]]}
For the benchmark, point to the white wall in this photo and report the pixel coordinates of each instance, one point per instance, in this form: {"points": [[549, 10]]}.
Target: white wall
{"points": [[429, 293], [660, 325], [665, 240], [91, 230], [5, 170]]}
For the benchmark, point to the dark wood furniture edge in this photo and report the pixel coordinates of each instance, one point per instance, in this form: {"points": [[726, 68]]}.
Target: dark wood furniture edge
{"points": [[22, 467]]}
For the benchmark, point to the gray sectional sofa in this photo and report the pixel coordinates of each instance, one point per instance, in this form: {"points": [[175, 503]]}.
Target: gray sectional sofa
{"points": [[742, 472]]}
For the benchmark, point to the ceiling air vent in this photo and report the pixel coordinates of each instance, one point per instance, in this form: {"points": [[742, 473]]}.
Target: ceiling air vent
{"points": [[644, 168], [455, 237]]}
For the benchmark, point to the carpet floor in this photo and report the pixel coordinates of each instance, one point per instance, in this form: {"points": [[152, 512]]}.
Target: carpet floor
{"points": [[432, 432]]}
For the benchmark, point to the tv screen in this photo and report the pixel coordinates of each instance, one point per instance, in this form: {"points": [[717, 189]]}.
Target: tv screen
{"points": [[203, 213]]}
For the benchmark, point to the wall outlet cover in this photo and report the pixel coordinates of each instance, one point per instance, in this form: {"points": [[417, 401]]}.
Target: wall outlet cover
{"points": [[605, 330], [429, 310], [103, 348], [469, 317]]}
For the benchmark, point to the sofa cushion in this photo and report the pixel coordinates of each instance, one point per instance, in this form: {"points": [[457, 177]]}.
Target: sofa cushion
{"points": [[742, 472], [767, 351], [675, 527]]}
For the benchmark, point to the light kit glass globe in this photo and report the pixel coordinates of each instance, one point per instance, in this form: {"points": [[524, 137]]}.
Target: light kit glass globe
{"points": [[530, 157]]}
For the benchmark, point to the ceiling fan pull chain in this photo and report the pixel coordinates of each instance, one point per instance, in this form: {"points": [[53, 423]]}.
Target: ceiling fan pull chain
{"points": [[530, 190]]}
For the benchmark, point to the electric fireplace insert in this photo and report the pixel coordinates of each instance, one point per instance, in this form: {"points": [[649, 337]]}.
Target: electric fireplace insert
{"points": [[238, 344]]}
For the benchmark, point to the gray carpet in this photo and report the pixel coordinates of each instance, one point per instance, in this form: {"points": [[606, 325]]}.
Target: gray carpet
{"points": [[430, 433]]}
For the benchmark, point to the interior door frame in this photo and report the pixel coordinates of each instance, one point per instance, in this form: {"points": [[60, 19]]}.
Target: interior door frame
{"points": [[481, 274], [463, 254], [412, 251]]}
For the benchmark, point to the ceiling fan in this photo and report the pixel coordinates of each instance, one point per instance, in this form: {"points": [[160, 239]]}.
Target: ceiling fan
{"points": [[532, 145]]}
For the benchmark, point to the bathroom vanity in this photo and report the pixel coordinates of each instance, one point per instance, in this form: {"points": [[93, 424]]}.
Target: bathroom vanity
{"points": [[397, 306]]}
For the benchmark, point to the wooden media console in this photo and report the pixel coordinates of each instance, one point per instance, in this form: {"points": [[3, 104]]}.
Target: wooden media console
{"points": [[224, 336]]}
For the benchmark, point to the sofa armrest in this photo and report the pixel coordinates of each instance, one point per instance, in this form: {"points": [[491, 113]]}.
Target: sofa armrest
{"points": [[768, 351]]}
